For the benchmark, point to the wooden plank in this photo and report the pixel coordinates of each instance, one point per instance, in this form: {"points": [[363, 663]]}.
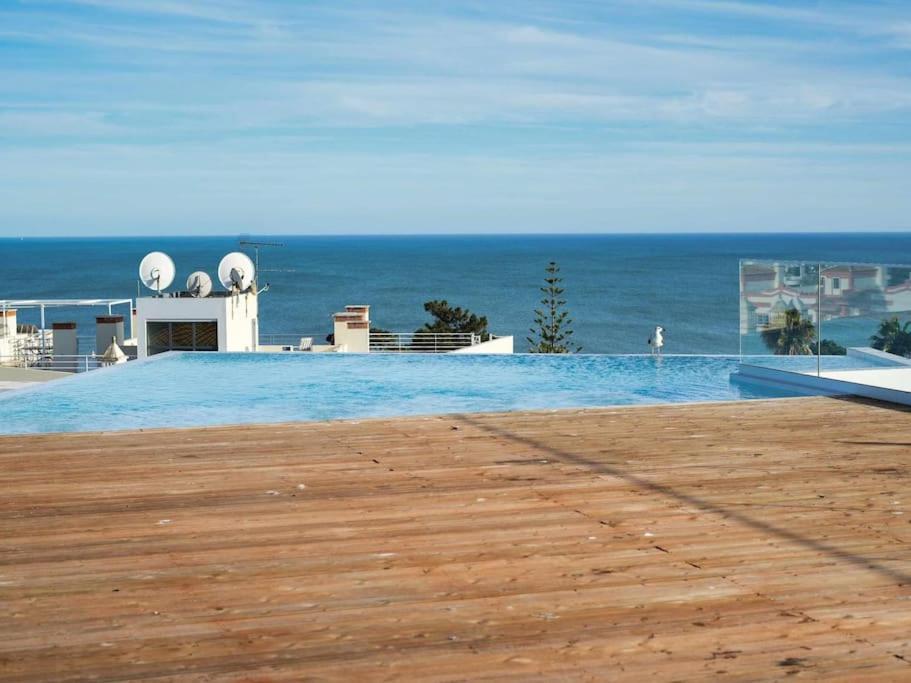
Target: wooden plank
{"points": [[743, 541]]}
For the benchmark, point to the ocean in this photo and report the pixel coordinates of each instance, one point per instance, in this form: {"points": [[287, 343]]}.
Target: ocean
{"points": [[618, 287]]}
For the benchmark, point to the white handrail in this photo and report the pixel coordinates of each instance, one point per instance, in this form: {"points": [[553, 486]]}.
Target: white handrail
{"points": [[60, 362], [421, 342]]}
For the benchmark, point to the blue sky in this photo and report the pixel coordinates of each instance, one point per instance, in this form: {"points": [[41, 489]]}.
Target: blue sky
{"points": [[271, 116]]}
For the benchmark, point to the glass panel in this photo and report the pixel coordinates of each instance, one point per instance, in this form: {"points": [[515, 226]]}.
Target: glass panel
{"points": [[865, 306], [778, 310], [847, 313]]}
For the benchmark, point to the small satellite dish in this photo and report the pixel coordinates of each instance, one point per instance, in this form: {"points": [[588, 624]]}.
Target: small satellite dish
{"points": [[236, 270], [199, 284], [156, 270]]}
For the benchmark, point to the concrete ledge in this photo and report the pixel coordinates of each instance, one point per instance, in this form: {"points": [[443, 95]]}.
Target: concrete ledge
{"points": [[876, 356], [824, 386], [500, 345]]}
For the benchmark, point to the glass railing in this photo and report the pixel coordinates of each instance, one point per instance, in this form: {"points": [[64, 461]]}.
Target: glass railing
{"points": [[824, 317]]}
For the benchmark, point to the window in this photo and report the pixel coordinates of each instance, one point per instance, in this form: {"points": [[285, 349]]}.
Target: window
{"points": [[836, 283], [181, 336]]}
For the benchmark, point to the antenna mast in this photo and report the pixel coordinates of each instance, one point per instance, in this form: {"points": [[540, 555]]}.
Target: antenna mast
{"points": [[256, 246]]}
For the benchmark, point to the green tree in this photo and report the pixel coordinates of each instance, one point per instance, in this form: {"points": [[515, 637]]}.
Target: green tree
{"points": [[893, 337], [552, 332], [795, 338], [449, 320], [828, 347]]}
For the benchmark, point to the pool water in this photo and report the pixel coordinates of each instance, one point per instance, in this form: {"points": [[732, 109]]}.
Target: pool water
{"points": [[197, 389]]}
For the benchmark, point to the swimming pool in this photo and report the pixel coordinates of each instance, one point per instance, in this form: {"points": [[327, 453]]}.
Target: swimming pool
{"points": [[197, 389]]}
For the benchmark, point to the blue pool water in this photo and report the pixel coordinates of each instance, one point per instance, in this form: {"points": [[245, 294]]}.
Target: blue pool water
{"points": [[183, 390]]}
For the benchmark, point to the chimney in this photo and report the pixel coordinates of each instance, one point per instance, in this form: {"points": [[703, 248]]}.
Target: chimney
{"points": [[352, 329], [106, 327]]}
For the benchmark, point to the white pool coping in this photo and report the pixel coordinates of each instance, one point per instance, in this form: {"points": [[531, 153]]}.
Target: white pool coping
{"points": [[883, 384]]}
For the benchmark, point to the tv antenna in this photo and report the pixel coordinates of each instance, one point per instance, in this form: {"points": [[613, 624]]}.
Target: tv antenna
{"points": [[156, 271], [256, 247]]}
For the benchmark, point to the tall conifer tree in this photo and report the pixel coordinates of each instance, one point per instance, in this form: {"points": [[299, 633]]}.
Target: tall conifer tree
{"points": [[552, 332]]}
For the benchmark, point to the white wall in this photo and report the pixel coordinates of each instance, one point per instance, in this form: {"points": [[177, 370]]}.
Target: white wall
{"points": [[7, 331], [237, 318], [8, 322], [498, 345], [241, 323]]}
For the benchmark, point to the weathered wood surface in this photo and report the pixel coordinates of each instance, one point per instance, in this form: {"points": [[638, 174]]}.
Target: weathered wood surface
{"points": [[744, 541]]}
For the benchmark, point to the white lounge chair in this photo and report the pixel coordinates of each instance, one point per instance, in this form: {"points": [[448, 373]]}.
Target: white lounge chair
{"points": [[306, 344]]}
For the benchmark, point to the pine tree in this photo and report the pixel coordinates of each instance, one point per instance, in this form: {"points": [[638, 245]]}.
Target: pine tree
{"points": [[552, 332], [450, 320]]}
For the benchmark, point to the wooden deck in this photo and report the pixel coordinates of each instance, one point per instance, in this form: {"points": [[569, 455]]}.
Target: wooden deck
{"points": [[744, 541]]}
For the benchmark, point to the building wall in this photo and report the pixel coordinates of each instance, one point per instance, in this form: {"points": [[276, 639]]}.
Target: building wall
{"points": [[237, 318], [7, 332], [241, 329], [498, 346]]}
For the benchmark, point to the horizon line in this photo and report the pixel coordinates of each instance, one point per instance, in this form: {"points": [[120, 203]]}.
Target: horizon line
{"points": [[235, 235]]}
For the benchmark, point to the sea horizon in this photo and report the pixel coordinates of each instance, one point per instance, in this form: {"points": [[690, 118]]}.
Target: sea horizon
{"points": [[437, 234]]}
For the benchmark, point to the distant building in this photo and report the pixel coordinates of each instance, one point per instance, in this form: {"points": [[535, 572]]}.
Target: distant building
{"points": [[222, 321]]}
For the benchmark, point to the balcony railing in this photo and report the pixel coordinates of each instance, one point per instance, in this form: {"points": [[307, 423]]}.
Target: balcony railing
{"points": [[80, 363], [381, 342], [420, 342], [295, 342]]}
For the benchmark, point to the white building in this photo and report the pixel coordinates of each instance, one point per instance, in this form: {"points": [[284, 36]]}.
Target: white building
{"points": [[222, 321]]}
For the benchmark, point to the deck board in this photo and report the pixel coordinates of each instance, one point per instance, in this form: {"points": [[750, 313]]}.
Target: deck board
{"points": [[743, 541]]}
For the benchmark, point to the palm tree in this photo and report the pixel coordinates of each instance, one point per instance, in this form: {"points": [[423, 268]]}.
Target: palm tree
{"points": [[795, 338], [893, 337]]}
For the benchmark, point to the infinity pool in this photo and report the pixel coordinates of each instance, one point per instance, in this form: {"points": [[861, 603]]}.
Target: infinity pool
{"points": [[186, 389]]}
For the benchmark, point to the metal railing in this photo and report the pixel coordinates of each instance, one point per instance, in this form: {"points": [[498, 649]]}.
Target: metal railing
{"points": [[60, 363], [421, 342], [290, 340]]}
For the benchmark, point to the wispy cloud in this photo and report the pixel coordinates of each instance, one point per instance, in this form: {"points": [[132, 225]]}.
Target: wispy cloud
{"points": [[222, 11], [210, 83]]}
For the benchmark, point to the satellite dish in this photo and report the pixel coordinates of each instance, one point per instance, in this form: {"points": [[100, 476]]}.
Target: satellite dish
{"points": [[236, 270], [156, 270], [199, 284]]}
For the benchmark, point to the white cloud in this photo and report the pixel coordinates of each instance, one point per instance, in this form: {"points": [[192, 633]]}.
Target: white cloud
{"points": [[428, 70], [141, 111]]}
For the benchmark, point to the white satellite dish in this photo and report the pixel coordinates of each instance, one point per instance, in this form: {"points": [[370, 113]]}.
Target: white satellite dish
{"points": [[156, 270], [199, 284], [236, 270]]}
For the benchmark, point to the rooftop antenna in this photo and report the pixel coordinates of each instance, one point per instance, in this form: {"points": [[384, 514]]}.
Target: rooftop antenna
{"points": [[236, 272], [199, 284], [256, 247], [156, 271]]}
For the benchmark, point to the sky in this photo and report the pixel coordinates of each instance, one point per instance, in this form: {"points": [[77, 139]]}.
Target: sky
{"points": [[145, 117]]}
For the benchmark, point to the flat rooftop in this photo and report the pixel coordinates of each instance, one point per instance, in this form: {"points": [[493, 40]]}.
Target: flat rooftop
{"points": [[748, 540]]}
